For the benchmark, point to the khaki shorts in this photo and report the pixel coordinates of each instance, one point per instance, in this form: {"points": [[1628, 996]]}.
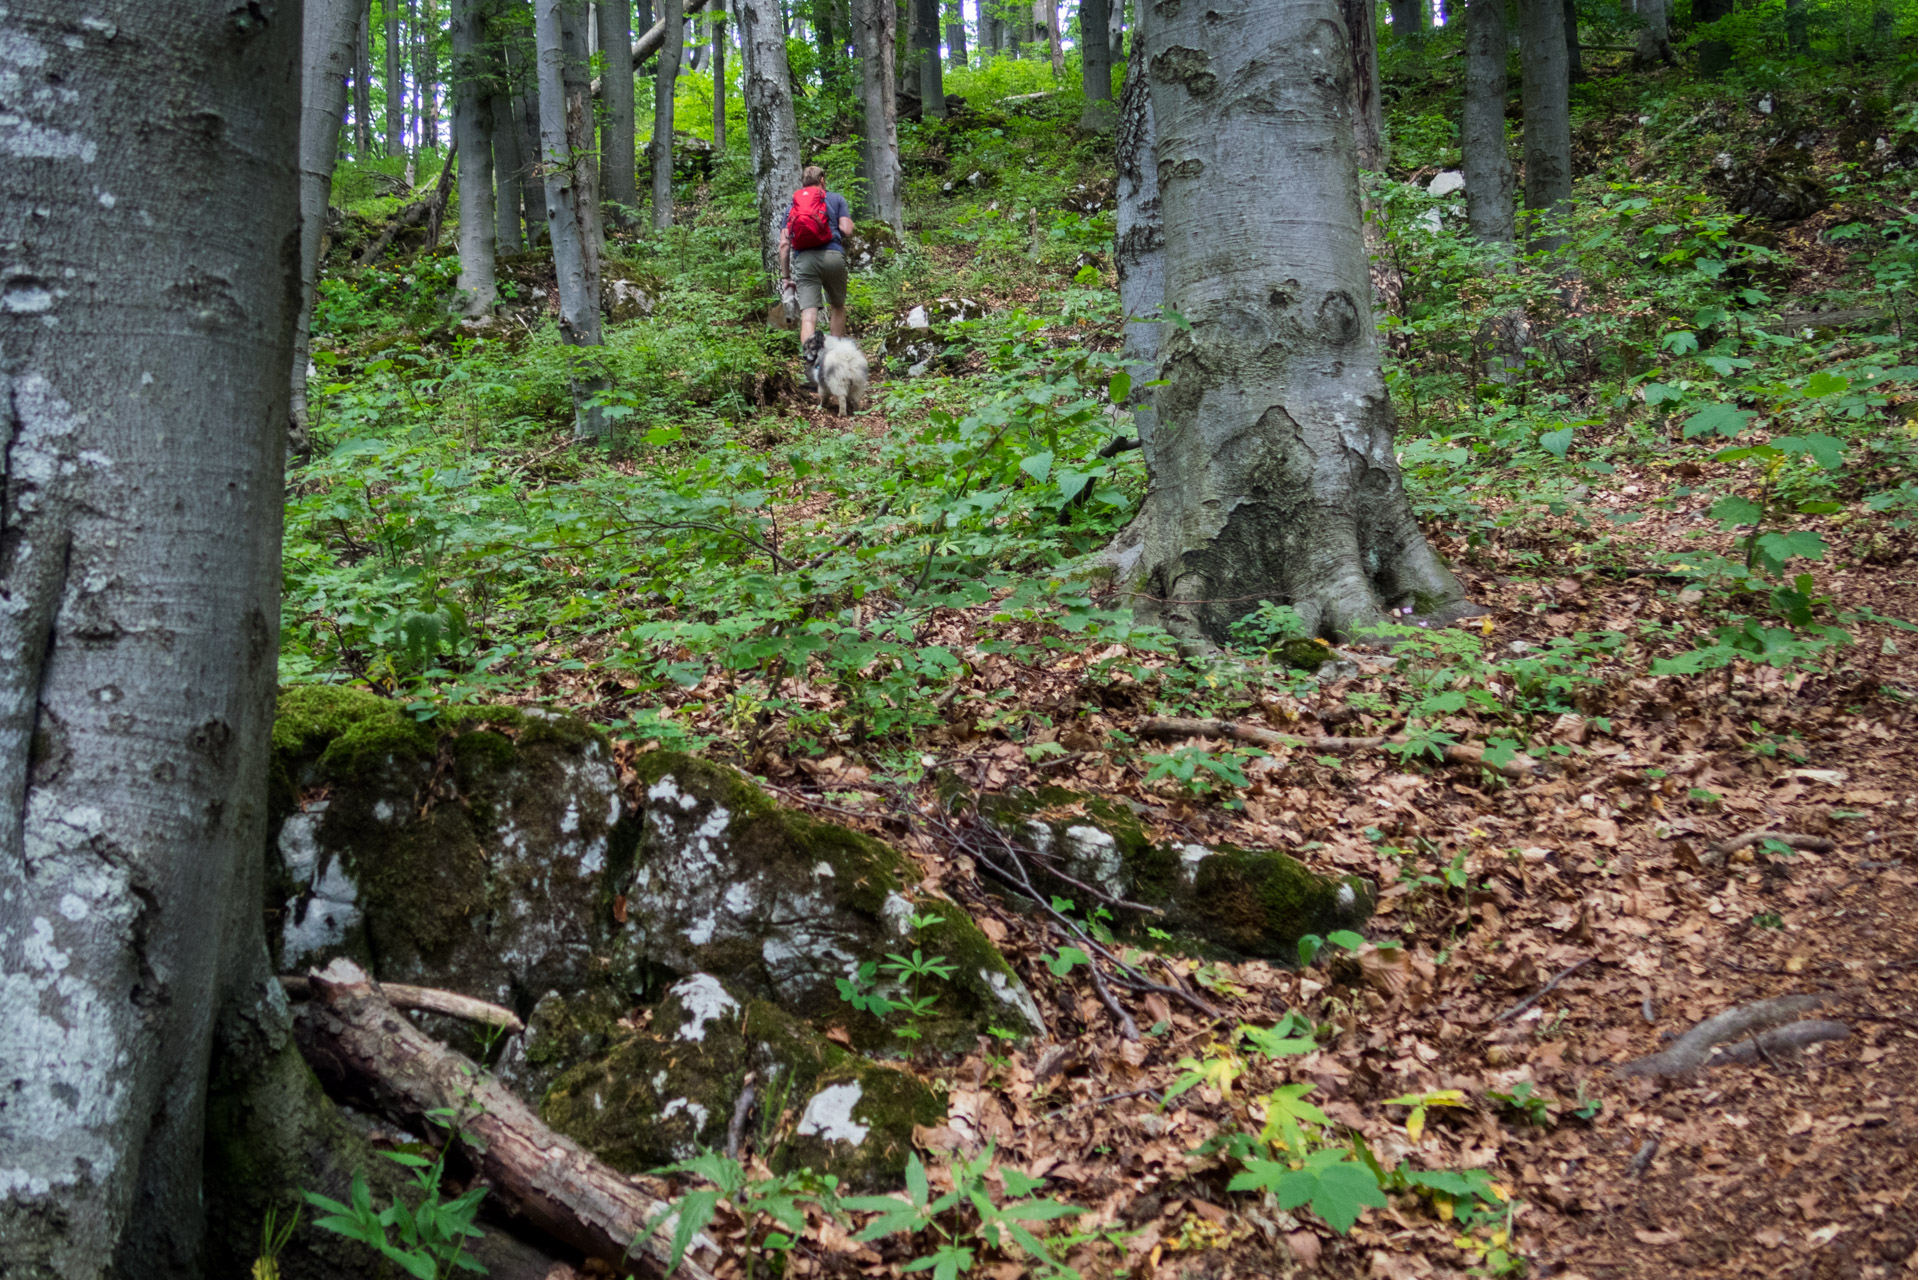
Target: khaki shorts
{"points": [[816, 271]]}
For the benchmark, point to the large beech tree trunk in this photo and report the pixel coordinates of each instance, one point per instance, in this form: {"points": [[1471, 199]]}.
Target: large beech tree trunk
{"points": [[1095, 30], [1139, 248], [572, 201], [873, 22], [1271, 463], [1045, 21], [618, 148], [151, 217], [956, 32], [1655, 37], [1548, 119], [1488, 164], [1408, 20], [925, 40], [766, 82], [326, 59], [1368, 110], [664, 78], [473, 138], [395, 85]]}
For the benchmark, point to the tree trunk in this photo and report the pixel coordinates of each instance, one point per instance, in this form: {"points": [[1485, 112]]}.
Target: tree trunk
{"points": [[1115, 31], [1368, 111], [1095, 57], [873, 25], [1139, 247], [1797, 31], [151, 209], [1272, 468], [473, 138], [766, 82], [1408, 20], [1548, 121], [363, 84], [572, 203], [507, 177], [956, 32], [1655, 37], [661, 151], [720, 84], [618, 148], [925, 40], [1045, 14], [522, 69], [1488, 162], [830, 36], [326, 57], [427, 78], [1574, 60], [395, 86]]}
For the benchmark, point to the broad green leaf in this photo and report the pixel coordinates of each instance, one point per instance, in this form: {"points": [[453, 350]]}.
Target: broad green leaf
{"points": [[1557, 442], [1038, 466], [1824, 383], [1680, 341], [1827, 451], [1657, 393], [1346, 938], [1717, 419], [1039, 1210], [1119, 390], [1273, 1042], [1020, 1184], [1730, 512]]}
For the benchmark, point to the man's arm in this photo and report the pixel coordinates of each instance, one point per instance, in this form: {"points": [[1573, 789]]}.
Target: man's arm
{"points": [[785, 255], [845, 227]]}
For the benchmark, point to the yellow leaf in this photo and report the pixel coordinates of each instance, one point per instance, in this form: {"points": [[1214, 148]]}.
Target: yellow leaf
{"points": [[1444, 1207], [1415, 1124], [1486, 627]]}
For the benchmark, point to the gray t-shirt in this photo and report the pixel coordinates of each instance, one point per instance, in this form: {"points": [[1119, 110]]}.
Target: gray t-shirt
{"points": [[836, 208]]}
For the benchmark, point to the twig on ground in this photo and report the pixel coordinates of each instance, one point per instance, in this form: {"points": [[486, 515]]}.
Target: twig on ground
{"points": [[1642, 1158], [736, 1128], [1543, 991], [1110, 1097], [1717, 853], [1694, 1049], [1465, 753], [1127, 1027], [423, 1000]]}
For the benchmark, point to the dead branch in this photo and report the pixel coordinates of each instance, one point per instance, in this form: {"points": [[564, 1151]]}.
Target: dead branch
{"points": [[1543, 991], [1787, 1041], [1642, 1158], [1465, 753], [1127, 1027], [430, 211], [1694, 1049], [424, 1000], [360, 1047], [1791, 839]]}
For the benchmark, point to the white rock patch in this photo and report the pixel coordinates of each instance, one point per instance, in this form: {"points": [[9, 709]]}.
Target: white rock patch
{"points": [[705, 999], [829, 1114]]}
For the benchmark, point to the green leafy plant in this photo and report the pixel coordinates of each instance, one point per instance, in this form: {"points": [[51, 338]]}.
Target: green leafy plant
{"points": [[967, 1220], [773, 1208], [1522, 1101], [426, 1239]]}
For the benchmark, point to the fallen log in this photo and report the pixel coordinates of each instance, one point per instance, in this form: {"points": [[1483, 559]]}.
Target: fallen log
{"points": [[649, 41], [428, 211], [1785, 1042], [1695, 1049], [1790, 839], [1519, 766], [423, 1000], [362, 1048]]}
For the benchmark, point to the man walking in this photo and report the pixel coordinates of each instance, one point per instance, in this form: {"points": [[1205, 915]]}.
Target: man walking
{"points": [[812, 255]]}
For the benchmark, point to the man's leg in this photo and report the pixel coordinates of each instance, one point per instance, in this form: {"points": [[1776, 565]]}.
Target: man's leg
{"points": [[838, 315], [809, 320]]}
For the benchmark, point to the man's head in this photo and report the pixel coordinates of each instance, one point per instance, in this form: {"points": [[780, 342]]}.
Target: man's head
{"points": [[814, 176]]}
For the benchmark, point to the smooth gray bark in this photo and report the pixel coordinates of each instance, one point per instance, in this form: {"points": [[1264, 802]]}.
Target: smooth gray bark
{"points": [[661, 150], [873, 22], [1655, 37], [363, 83], [1095, 57], [720, 84], [326, 57], [1272, 467], [956, 32], [1574, 58], [1368, 111], [766, 81], [1548, 119], [572, 201], [1487, 162], [395, 86], [654, 36], [522, 72], [473, 136], [925, 40], [1408, 20], [618, 148], [507, 165], [427, 79], [151, 215], [1045, 22], [1139, 247]]}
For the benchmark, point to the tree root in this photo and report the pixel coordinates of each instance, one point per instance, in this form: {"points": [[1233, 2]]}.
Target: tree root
{"points": [[360, 1046], [1543, 991], [1724, 849], [1697, 1048], [424, 1000], [1519, 766]]}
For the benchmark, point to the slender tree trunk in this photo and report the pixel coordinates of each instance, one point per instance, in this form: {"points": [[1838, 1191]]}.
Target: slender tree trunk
{"points": [[1115, 32], [925, 39], [395, 84], [766, 82], [830, 36], [664, 79], [1488, 163], [873, 23], [1548, 121], [1139, 247], [522, 65], [618, 147], [1408, 20], [572, 203], [1368, 112], [507, 166], [1095, 56], [140, 498], [1045, 14], [1274, 473], [430, 74], [1797, 32], [956, 32], [720, 84], [326, 56], [363, 84], [1574, 59], [1655, 37], [473, 137]]}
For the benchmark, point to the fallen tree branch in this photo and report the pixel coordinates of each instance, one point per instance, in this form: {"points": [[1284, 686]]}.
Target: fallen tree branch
{"points": [[429, 211], [424, 1000], [1127, 1027], [1787, 1041], [1694, 1049], [359, 1046], [1543, 991], [1642, 1158], [649, 41], [1519, 766], [1717, 853]]}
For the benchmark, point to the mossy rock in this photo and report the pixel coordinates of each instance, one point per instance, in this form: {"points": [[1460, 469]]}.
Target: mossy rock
{"points": [[784, 906], [1244, 902], [468, 851], [667, 1092]]}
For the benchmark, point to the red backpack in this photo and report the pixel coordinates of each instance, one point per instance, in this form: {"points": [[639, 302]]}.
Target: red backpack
{"points": [[809, 222]]}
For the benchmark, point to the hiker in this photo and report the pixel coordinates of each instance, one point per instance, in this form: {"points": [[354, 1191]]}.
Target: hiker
{"points": [[812, 254]]}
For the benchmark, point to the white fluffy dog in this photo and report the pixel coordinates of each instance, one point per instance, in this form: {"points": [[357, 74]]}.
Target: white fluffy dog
{"points": [[842, 375]]}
